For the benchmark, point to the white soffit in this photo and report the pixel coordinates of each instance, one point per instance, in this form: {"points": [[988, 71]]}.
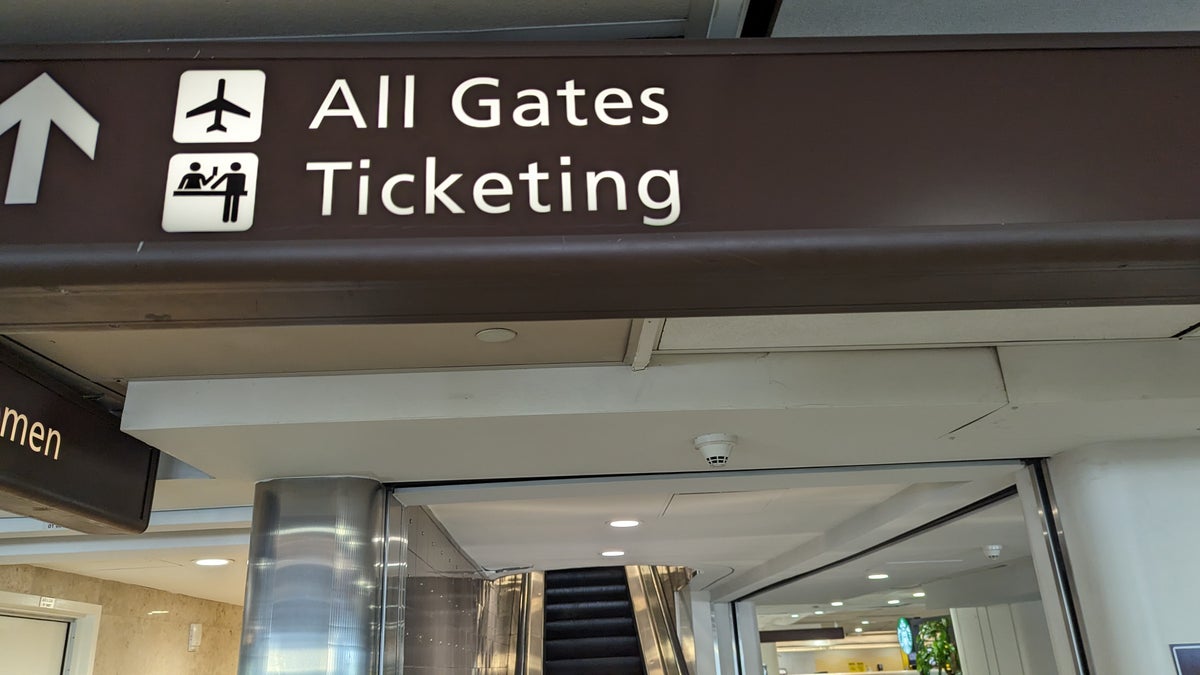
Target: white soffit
{"points": [[825, 409], [1067, 396], [117, 355], [886, 329]]}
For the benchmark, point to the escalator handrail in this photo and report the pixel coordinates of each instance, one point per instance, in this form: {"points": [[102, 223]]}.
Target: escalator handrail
{"points": [[661, 651], [531, 635]]}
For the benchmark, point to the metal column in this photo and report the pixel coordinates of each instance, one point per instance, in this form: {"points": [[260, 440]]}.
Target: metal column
{"points": [[315, 583]]}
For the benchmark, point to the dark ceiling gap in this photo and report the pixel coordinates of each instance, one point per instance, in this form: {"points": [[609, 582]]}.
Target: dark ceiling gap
{"points": [[760, 18]]}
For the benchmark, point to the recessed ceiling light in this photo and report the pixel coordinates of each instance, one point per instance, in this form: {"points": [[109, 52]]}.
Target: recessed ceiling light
{"points": [[624, 523], [836, 603], [795, 616], [212, 562], [893, 602], [156, 612], [857, 630], [919, 594], [612, 554], [878, 576], [866, 623], [819, 611], [495, 335]]}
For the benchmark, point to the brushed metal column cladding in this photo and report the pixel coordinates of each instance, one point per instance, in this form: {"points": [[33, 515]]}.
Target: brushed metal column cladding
{"points": [[315, 580]]}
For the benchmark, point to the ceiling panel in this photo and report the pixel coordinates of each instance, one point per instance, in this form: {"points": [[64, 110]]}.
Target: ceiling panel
{"points": [[57, 21], [169, 570], [830, 18], [883, 329], [167, 567], [717, 504], [953, 550], [716, 533], [119, 355]]}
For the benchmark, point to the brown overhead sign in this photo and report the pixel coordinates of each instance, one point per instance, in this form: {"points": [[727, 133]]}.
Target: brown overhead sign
{"points": [[393, 164], [65, 461]]}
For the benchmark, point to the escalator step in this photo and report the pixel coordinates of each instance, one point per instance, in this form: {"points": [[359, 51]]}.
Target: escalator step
{"points": [[591, 648], [589, 610], [621, 665], [587, 593], [601, 627], [587, 576]]}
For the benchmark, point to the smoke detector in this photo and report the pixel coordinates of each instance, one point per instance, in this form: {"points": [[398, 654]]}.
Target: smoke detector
{"points": [[716, 448], [992, 551]]}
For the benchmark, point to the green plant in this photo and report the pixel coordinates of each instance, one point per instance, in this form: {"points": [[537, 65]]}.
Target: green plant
{"points": [[935, 648]]}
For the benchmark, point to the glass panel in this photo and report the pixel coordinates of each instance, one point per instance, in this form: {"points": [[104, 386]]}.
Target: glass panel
{"points": [[960, 598]]}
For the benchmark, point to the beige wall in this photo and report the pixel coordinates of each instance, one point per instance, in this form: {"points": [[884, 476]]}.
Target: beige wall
{"points": [[131, 640], [838, 660]]}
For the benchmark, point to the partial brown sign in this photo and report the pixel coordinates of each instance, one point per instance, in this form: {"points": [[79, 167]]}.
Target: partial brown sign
{"points": [[65, 461]]}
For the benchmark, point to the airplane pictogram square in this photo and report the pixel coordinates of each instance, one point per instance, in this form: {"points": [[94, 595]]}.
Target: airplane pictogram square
{"points": [[210, 192], [220, 106]]}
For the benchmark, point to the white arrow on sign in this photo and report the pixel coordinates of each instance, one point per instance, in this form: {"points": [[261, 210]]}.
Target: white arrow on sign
{"points": [[35, 107]]}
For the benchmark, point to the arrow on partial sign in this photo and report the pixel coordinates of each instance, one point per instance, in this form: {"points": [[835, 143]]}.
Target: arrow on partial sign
{"points": [[35, 107]]}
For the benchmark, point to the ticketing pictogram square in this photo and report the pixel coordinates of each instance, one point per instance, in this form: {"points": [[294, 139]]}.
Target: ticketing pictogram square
{"points": [[210, 192], [220, 106]]}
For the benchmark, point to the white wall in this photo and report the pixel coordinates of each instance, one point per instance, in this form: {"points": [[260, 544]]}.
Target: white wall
{"points": [[1033, 635], [32, 646], [798, 663], [770, 658], [1003, 640], [1128, 514]]}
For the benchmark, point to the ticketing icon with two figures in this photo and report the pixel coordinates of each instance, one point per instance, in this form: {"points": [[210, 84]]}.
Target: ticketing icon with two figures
{"points": [[215, 191], [210, 192]]}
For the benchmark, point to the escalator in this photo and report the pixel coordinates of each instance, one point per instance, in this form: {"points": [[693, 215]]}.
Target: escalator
{"points": [[629, 620], [590, 628]]}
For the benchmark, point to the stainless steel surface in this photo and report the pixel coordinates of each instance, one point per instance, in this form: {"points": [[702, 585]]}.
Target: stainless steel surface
{"points": [[395, 578], [455, 621], [725, 641], [1060, 561], [532, 638], [749, 646], [314, 586], [652, 594], [685, 626]]}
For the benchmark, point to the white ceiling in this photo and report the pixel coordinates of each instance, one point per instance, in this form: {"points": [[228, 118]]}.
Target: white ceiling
{"points": [[59, 21], [715, 531], [729, 524], [726, 525], [793, 405], [923, 329], [831, 18], [951, 551], [113, 357], [163, 561]]}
